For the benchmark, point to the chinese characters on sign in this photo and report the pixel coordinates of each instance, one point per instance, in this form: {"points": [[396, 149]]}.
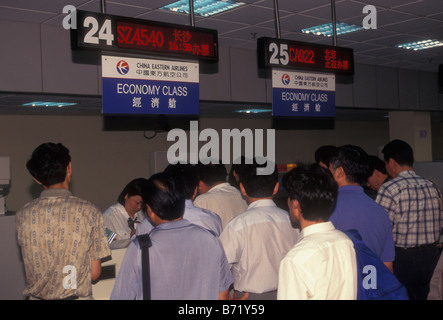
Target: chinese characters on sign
{"points": [[135, 86], [332, 62], [141, 37], [303, 94]]}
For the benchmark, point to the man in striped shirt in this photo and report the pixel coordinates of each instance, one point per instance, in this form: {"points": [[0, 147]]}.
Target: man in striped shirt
{"points": [[416, 218]]}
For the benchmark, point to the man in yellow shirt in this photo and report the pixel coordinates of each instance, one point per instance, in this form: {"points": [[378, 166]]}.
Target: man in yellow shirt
{"points": [[62, 237]]}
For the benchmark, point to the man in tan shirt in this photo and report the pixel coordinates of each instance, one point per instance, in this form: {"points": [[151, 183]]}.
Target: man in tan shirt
{"points": [[217, 195], [62, 237]]}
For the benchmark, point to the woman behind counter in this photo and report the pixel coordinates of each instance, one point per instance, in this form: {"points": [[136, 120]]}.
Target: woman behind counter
{"points": [[123, 217]]}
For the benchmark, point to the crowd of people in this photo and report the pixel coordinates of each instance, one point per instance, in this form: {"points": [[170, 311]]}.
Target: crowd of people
{"points": [[214, 235]]}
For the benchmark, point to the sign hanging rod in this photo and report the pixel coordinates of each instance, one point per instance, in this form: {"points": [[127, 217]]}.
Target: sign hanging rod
{"points": [[191, 13], [277, 19], [334, 24]]}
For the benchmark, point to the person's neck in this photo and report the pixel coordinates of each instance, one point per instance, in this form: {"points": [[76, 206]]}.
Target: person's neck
{"points": [[61, 185], [401, 169], [346, 183], [161, 221], [250, 200], [306, 223]]}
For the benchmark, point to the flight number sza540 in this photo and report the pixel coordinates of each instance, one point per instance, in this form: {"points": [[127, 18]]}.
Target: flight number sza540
{"points": [[139, 36], [238, 309]]}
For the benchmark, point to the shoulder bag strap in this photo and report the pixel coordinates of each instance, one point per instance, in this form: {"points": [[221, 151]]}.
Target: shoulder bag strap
{"points": [[145, 242]]}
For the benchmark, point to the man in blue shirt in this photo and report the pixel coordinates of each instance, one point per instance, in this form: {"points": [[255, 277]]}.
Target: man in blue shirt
{"points": [[356, 210], [188, 174], [186, 260]]}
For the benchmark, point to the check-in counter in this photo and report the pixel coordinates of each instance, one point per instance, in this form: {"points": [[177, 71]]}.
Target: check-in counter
{"points": [[101, 290], [12, 272]]}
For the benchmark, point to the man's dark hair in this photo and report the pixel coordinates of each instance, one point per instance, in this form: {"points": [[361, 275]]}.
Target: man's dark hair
{"points": [[48, 163], [324, 154], [314, 188], [257, 186], [354, 161], [212, 173], [133, 188], [400, 151], [187, 175], [374, 163], [163, 194]]}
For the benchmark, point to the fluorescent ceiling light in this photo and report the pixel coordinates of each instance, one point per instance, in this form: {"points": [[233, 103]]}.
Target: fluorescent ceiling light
{"points": [[48, 104], [326, 29], [253, 111], [204, 8], [420, 45]]}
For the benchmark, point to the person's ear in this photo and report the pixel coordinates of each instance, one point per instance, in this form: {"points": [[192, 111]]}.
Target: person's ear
{"points": [[194, 195], [294, 210], [152, 216], [242, 189], [277, 185]]}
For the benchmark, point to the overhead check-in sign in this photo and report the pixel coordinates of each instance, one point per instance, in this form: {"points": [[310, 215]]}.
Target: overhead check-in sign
{"points": [[280, 53], [147, 86], [303, 94], [96, 31]]}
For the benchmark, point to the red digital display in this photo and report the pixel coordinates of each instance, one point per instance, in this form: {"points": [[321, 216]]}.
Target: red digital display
{"points": [[294, 54], [160, 39], [115, 33]]}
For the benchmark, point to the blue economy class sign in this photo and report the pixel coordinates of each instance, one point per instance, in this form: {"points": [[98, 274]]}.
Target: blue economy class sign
{"points": [[146, 86], [303, 94]]}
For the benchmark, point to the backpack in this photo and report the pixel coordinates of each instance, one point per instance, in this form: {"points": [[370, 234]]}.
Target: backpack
{"points": [[375, 280]]}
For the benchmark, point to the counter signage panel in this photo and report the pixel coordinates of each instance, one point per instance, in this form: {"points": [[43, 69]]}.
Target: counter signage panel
{"points": [[281, 53], [115, 33], [148, 86], [303, 94]]}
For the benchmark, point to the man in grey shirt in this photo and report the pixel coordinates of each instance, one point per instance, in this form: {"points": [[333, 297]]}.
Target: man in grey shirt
{"points": [[186, 261]]}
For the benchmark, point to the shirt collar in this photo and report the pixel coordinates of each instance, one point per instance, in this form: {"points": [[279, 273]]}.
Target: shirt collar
{"points": [[173, 224], [351, 188], [262, 203], [56, 193], [222, 185], [407, 173], [317, 228]]}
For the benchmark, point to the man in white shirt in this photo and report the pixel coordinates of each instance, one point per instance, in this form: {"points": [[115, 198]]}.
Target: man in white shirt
{"points": [[322, 265], [217, 195], [257, 240]]}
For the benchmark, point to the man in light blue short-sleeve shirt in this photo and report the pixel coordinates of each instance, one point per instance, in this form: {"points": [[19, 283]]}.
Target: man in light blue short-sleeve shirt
{"points": [[186, 260]]}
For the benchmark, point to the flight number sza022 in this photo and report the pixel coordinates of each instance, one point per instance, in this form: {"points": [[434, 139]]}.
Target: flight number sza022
{"points": [[281, 54], [243, 309]]}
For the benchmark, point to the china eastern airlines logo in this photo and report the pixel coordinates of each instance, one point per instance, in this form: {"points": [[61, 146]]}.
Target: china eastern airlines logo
{"points": [[285, 79], [122, 67]]}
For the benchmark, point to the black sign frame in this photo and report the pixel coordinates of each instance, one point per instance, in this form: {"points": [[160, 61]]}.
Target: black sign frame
{"points": [[100, 27], [309, 56]]}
